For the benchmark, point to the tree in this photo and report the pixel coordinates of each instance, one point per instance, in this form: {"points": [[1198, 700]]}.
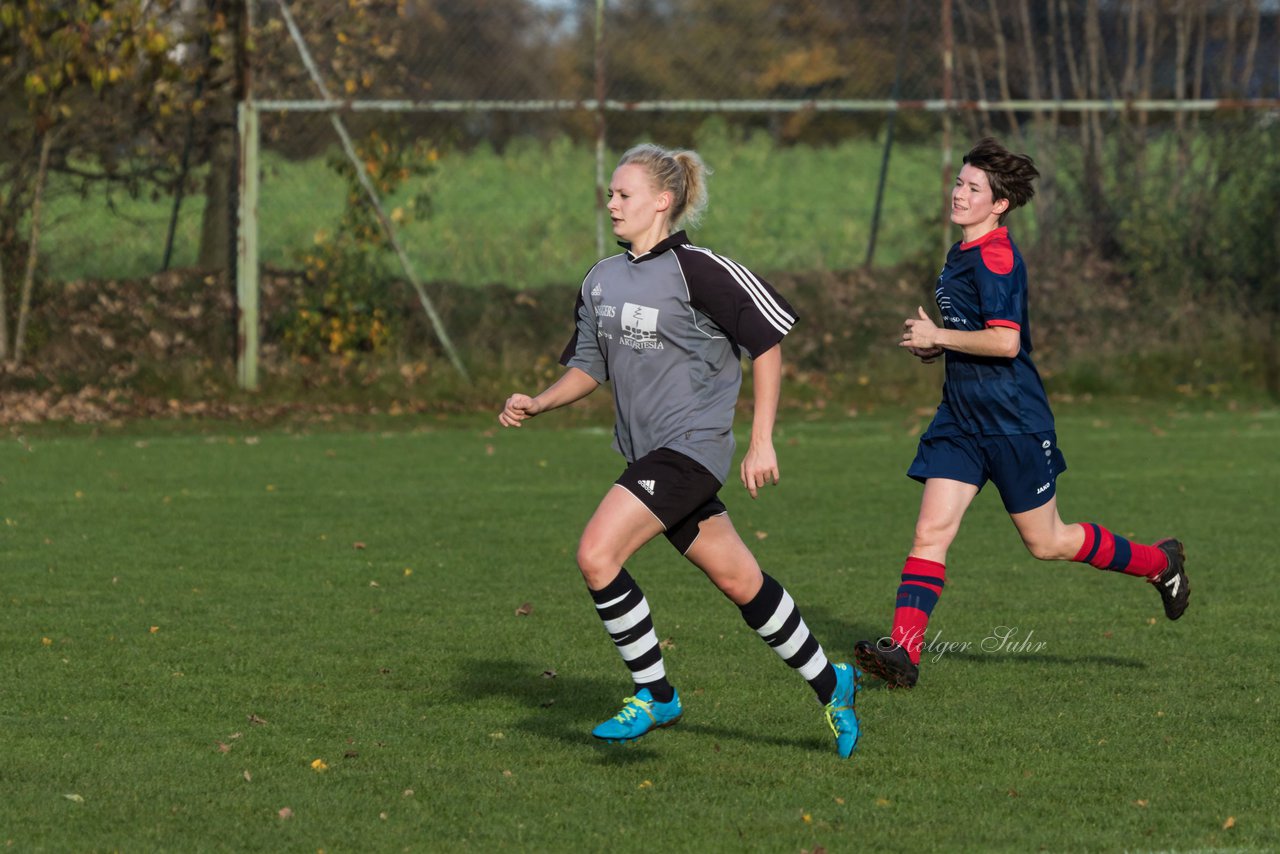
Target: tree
{"points": [[89, 91]]}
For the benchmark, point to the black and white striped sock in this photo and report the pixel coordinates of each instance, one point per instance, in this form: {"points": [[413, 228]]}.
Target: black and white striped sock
{"points": [[774, 616], [625, 614]]}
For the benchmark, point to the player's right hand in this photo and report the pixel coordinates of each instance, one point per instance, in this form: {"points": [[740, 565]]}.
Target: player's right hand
{"points": [[517, 408]]}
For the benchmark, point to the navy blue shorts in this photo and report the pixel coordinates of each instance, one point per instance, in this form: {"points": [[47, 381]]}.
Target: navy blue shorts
{"points": [[1024, 468], [677, 489]]}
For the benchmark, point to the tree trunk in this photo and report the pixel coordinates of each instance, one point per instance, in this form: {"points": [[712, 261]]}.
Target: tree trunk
{"points": [[217, 229], [4, 314], [33, 247], [217, 242]]}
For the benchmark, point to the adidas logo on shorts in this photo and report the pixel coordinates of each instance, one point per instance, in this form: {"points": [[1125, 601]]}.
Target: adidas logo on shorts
{"points": [[647, 485]]}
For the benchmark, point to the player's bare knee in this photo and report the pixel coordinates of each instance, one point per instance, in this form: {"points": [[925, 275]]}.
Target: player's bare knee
{"points": [[1046, 549], [930, 538], [597, 563]]}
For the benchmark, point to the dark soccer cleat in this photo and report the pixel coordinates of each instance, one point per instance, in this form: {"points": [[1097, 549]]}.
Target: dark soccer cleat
{"points": [[888, 661], [1175, 589]]}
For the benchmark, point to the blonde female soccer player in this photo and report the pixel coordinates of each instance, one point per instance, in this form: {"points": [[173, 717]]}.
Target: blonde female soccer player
{"points": [[665, 323]]}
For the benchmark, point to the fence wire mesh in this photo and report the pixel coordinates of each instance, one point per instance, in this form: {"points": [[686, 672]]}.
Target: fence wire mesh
{"points": [[810, 98]]}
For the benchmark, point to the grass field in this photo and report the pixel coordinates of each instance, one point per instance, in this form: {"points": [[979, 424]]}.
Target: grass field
{"points": [[295, 638], [526, 217]]}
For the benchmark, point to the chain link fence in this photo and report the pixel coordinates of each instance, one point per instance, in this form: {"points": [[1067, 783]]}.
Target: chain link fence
{"points": [[932, 76], [846, 116]]}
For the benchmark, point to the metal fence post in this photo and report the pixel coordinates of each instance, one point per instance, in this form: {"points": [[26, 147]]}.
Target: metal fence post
{"points": [[247, 250]]}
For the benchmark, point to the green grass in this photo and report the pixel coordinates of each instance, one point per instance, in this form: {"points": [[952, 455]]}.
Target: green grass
{"points": [[526, 216], [188, 579]]}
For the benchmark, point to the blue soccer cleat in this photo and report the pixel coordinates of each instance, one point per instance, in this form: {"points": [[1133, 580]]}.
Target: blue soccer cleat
{"points": [[640, 714], [841, 717]]}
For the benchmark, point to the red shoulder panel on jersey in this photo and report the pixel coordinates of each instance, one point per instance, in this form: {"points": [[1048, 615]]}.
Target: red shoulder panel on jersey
{"points": [[997, 254], [996, 249]]}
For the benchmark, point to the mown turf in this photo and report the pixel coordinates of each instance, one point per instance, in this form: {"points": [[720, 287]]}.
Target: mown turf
{"points": [[190, 619]]}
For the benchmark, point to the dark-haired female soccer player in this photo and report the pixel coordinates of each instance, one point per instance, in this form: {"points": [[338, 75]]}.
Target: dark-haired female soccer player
{"points": [[665, 323], [994, 422]]}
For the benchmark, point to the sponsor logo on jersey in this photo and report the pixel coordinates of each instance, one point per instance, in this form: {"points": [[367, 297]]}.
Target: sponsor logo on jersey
{"points": [[640, 327], [597, 290], [1043, 488], [647, 485], [606, 311]]}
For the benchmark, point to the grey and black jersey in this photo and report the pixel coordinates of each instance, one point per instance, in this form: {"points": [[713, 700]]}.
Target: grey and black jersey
{"points": [[667, 329]]}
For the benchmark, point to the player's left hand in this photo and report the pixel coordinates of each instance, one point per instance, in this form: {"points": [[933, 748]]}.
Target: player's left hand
{"points": [[759, 467], [919, 333], [928, 356]]}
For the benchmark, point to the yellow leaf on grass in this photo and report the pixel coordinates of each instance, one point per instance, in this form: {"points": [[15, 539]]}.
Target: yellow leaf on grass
{"points": [[319, 765], [1229, 823]]}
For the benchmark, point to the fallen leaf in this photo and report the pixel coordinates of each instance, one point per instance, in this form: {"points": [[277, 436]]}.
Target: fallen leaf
{"points": [[546, 704], [1142, 802], [762, 535], [525, 609], [548, 674], [883, 802], [1013, 793], [155, 629], [1229, 823], [285, 812], [351, 754], [77, 798], [646, 784], [318, 765], [248, 778], [382, 815], [257, 721], [666, 643], [408, 793], [223, 747], [357, 545], [507, 774], [806, 818]]}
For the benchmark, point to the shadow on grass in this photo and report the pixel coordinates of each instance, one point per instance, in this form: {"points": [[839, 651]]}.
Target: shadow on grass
{"points": [[564, 708], [1043, 658]]}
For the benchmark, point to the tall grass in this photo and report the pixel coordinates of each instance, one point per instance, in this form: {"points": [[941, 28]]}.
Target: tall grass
{"points": [[525, 216]]}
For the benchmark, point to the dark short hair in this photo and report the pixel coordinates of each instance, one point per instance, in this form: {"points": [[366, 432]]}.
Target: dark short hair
{"points": [[1009, 174]]}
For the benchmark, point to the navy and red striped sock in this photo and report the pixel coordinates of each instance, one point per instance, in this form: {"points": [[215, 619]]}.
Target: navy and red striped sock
{"points": [[1105, 550], [922, 583]]}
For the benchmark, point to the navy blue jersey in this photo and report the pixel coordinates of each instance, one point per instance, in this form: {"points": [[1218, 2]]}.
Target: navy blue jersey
{"points": [[984, 284]]}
